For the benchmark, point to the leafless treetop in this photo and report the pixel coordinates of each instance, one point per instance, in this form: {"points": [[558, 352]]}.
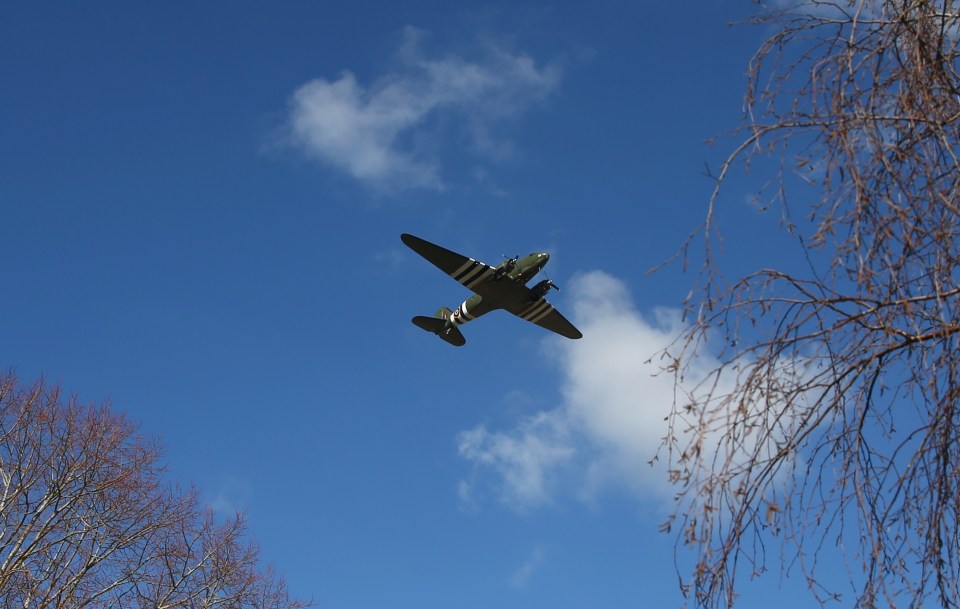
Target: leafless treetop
{"points": [[830, 430], [87, 520]]}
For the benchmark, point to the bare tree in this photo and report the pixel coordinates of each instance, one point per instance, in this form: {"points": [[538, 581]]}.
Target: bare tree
{"points": [[828, 436], [86, 519]]}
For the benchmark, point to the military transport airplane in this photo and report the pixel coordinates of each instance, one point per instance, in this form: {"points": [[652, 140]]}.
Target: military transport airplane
{"points": [[500, 287]]}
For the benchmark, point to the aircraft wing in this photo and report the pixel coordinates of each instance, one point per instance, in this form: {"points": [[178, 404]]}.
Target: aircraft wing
{"points": [[466, 270], [544, 315]]}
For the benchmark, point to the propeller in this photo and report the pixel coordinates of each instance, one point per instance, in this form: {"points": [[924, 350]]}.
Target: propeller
{"points": [[506, 266], [509, 263], [550, 282]]}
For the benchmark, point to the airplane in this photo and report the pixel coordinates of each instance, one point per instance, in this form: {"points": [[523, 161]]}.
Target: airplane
{"points": [[500, 287]]}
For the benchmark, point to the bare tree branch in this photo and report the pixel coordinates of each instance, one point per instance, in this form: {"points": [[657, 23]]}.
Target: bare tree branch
{"points": [[831, 425]]}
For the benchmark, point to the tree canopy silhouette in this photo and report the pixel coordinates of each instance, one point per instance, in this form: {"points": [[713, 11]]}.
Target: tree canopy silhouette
{"points": [[87, 520]]}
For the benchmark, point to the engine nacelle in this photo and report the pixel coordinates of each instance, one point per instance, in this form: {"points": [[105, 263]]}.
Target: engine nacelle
{"points": [[541, 289], [505, 268]]}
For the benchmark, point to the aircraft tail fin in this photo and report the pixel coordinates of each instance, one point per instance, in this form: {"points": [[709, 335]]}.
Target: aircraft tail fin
{"points": [[441, 326]]}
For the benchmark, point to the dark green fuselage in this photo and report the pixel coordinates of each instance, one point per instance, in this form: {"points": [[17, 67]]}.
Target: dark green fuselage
{"points": [[497, 292]]}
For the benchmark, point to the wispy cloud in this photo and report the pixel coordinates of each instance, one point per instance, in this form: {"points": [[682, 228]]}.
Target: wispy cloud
{"points": [[525, 460], [231, 496], [610, 421], [389, 135], [862, 9], [522, 575]]}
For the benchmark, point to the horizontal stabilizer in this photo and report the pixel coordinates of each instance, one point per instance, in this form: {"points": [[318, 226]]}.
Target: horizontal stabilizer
{"points": [[441, 328]]}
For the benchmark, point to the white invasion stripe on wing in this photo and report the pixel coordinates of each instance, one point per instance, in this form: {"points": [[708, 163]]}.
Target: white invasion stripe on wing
{"points": [[546, 312], [536, 311], [487, 271], [465, 266], [472, 273]]}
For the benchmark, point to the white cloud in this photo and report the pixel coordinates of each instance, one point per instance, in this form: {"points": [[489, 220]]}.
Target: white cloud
{"points": [[379, 134], [614, 392], [610, 421], [606, 431], [525, 460]]}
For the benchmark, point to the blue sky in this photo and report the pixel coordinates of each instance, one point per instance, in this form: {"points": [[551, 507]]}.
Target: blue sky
{"points": [[201, 210]]}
